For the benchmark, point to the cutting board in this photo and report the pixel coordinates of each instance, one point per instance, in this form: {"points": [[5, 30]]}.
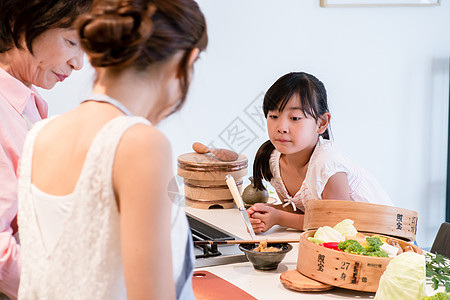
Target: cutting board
{"points": [[208, 286], [296, 281]]}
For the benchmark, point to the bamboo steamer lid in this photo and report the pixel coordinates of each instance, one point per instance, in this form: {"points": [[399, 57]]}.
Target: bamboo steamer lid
{"points": [[368, 217], [204, 179], [342, 269], [206, 167]]}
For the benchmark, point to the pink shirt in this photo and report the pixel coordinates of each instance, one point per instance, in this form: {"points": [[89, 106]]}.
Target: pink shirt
{"points": [[20, 107]]}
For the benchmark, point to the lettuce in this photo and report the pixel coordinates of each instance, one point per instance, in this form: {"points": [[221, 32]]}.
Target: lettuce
{"points": [[346, 228], [438, 296], [328, 234], [315, 241], [404, 278]]}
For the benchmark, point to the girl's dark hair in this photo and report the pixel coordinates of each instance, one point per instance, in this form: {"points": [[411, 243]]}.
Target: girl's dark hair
{"points": [[136, 34], [30, 18], [313, 98]]}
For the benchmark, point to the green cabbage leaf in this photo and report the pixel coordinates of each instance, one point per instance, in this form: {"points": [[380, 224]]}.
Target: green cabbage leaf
{"points": [[328, 234], [404, 278], [346, 228]]}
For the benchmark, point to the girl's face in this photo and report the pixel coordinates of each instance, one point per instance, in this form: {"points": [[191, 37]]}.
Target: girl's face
{"points": [[290, 131], [56, 52]]}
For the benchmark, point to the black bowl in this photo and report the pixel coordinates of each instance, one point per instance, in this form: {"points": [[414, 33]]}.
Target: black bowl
{"points": [[265, 261]]}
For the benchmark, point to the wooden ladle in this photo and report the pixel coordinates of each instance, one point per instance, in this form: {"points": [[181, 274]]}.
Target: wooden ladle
{"points": [[222, 154]]}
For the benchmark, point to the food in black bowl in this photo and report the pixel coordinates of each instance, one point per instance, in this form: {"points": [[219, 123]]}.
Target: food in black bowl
{"points": [[268, 258]]}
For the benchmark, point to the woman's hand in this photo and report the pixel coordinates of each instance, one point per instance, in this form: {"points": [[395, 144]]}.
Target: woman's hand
{"points": [[263, 217]]}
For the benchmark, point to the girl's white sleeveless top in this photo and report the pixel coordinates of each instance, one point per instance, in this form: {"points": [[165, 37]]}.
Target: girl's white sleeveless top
{"points": [[326, 160], [71, 244]]}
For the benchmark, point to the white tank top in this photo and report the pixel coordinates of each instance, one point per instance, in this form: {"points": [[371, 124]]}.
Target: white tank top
{"points": [[51, 212], [71, 244]]}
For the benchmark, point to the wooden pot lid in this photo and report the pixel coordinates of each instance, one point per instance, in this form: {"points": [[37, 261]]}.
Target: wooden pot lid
{"points": [[208, 162], [296, 281]]}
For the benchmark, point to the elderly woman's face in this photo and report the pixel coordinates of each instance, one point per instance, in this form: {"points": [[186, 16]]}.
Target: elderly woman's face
{"points": [[56, 52]]}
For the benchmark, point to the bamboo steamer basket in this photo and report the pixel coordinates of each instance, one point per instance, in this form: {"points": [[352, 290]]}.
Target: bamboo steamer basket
{"points": [[204, 179], [368, 217], [342, 269]]}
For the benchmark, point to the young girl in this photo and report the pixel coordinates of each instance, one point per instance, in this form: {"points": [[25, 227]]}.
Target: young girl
{"points": [[300, 161]]}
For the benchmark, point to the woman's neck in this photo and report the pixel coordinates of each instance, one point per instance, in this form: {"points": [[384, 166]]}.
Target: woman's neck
{"points": [[151, 93], [140, 96], [6, 59]]}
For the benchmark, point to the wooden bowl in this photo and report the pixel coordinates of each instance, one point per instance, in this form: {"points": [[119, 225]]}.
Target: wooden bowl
{"points": [[342, 269], [375, 218]]}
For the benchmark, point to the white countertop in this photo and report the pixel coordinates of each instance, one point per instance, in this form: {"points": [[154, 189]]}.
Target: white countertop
{"points": [[266, 284]]}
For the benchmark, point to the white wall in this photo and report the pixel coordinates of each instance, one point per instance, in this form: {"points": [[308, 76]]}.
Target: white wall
{"points": [[385, 69]]}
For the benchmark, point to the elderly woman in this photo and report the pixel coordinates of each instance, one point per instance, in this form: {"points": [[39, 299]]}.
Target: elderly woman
{"points": [[38, 47]]}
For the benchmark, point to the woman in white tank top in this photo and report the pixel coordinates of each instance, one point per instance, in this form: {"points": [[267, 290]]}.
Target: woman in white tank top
{"points": [[95, 217]]}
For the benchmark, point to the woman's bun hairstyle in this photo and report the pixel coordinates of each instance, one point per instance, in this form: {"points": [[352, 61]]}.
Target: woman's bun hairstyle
{"points": [[114, 33], [137, 34]]}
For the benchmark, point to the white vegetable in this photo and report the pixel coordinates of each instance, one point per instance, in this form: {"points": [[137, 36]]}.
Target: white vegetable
{"points": [[346, 228], [404, 278], [328, 234], [390, 250]]}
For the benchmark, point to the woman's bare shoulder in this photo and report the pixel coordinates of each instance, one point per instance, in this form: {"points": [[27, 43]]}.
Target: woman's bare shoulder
{"points": [[144, 139], [142, 165]]}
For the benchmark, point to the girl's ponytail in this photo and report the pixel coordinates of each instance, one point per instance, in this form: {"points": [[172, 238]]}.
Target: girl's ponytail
{"points": [[261, 166], [326, 134]]}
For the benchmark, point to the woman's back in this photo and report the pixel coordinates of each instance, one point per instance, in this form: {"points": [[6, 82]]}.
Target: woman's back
{"points": [[89, 243], [66, 140]]}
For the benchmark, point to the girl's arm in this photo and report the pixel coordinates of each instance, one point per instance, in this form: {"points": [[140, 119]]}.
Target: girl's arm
{"points": [[264, 216], [289, 217], [141, 175], [337, 188]]}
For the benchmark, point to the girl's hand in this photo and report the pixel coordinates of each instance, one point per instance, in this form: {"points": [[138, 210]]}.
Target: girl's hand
{"points": [[257, 224], [263, 217]]}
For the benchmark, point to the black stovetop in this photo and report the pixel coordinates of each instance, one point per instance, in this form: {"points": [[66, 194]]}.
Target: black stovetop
{"points": [[210, 255]]}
